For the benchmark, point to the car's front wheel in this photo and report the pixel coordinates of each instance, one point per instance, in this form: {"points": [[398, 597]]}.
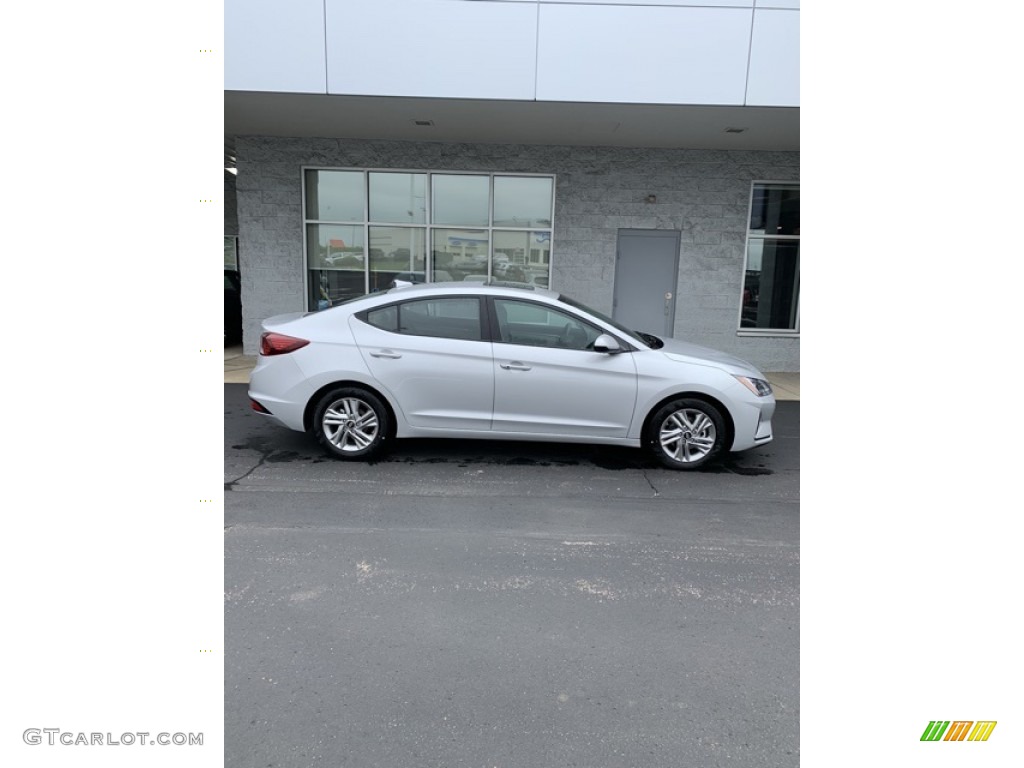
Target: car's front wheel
{"points": [[351, 423], [686, 434]]}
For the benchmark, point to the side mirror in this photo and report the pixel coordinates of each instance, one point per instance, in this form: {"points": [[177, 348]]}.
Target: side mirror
{"points": [[607, 344]]}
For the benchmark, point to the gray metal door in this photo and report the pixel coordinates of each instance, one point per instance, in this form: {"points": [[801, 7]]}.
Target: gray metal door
{"points": [[646, 272]]}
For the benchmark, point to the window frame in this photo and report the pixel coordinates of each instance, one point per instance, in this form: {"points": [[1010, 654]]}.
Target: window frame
{"points": [[428, 226], [757, 236]]}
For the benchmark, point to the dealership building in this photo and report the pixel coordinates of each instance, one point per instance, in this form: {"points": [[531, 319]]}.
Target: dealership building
{"points": [[641, 157]]}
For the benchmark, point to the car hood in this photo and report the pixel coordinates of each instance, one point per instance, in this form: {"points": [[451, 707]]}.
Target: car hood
{"points": [[685, 352]]}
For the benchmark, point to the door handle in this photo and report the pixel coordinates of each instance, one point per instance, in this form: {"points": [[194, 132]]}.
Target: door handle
{"points": [[385, 353], [515, 365]]}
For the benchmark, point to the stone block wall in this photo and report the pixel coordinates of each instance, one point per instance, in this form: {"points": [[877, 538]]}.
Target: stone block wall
{"points": [[704, 194]]}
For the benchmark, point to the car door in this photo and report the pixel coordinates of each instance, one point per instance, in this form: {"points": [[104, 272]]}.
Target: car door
{"points": [[548, 379], [431, 356]]}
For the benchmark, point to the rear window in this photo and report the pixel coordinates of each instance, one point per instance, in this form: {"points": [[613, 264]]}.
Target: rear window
{"points": [[448, 318], [445, 318], [385, 318]]}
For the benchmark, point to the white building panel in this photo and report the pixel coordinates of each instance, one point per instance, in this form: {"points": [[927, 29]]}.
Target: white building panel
{"points": [[645, 54], [431, 48], [793, 4], [774, 79], [274, 45]]}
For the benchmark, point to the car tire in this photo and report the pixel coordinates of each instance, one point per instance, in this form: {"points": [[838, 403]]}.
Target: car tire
{"points": [[686, 434], [352, 424]]}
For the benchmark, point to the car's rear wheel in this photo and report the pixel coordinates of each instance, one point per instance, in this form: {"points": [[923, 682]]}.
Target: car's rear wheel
{"points": [[686, 434], [352, 423]]}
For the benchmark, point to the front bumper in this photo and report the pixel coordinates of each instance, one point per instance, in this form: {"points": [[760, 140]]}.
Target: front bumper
{"points": [[753, 423]]}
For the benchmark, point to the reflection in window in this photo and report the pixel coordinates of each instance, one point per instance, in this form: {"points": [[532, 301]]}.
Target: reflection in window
{"points": [[231, 252], [334, 246], [335, 196], [458, 254], [775, 210], [397, 253], [370, 228], [522, 256], [522, 201], [328, 288], [771, 283], [398, 197], [461, 200]]}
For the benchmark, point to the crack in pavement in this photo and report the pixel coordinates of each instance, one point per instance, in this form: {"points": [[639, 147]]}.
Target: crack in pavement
{"points": [[656, 491], [264, 455]]}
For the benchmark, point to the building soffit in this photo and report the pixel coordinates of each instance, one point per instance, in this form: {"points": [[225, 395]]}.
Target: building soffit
{"points": [[510, 122]]}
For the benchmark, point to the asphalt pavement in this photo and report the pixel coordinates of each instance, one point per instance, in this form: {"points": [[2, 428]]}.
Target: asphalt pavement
{"points": [[476, 603]]}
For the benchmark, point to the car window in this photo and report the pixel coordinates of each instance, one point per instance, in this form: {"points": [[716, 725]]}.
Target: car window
{"points": [[523, 322], [448, 318], [385, 318], [615, 324]]}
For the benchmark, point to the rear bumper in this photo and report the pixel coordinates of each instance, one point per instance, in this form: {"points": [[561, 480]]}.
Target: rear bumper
{"points": [[281, 375]]}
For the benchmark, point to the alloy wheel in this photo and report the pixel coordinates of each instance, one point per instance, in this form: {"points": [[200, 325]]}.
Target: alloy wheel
{"points": [[350, 424], [688, 435]]}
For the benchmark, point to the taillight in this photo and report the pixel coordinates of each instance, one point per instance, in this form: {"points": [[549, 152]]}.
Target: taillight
{"points": [[279, 344]]}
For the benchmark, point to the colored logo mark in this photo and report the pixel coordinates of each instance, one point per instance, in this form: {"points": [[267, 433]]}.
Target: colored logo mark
{"points": [[958, 730]]}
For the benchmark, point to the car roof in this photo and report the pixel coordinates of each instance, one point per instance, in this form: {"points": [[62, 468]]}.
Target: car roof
{"points": [[491, 287]]}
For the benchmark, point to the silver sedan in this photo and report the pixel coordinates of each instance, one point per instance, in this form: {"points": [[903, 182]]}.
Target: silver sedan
{"points": [[501, 361]]}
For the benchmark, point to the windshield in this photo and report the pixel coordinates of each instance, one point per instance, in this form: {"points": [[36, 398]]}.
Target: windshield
{"points": [[640, 338]]}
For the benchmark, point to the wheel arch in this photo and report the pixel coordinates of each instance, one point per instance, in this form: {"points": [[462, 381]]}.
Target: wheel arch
{"points": [[730, 427], [311, 404]]}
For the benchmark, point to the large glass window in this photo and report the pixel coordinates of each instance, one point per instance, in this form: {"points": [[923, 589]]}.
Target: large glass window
{"points": [[523, 256], [461, 200], [522, 201], [398, 197], [337, 263], [771, 283], [335, 196], [459, 253], [365, 229], [397, 253]]}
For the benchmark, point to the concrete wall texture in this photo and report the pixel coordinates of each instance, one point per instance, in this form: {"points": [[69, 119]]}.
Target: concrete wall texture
{"points": [[703, 194]]}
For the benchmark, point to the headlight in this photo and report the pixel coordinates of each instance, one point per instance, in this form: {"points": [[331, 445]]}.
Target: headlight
{"points": [[759, 387]]}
